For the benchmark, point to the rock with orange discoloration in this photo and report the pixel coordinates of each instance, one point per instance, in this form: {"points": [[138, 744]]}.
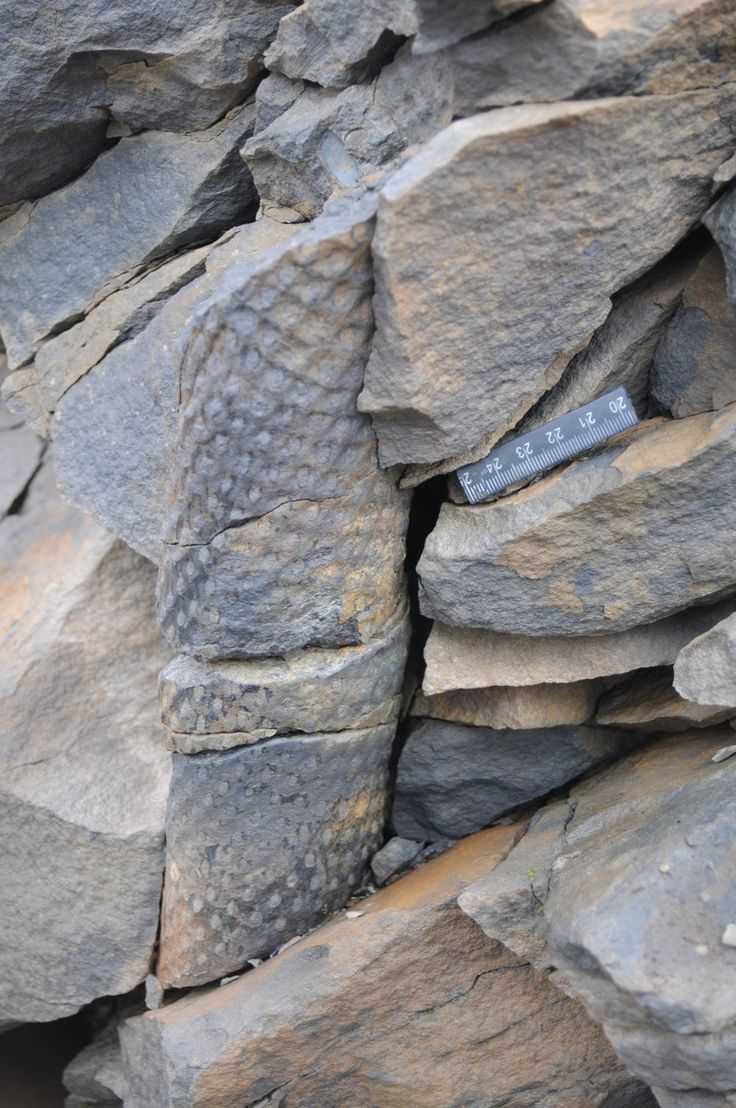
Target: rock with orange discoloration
{"points": [[406, 1004], [648, 702], [83, 770], [601, 546], [262, 841], [515, 708]]}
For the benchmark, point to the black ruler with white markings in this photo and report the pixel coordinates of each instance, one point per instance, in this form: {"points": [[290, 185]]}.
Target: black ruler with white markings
{"points": [[548, 445]]}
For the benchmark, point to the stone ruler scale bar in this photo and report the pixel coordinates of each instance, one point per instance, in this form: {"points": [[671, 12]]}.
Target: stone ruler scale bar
{"points": [[548, 445]]}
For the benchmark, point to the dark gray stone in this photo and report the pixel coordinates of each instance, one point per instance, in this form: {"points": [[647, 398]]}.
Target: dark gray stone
{"points": [[721, 222], [163, 66], [261, 842], [283, 533], [94, 1078], [215, 705], [453, 780], [441, 24], [397, 854], [601, 546], [648, 702], [65, 253], [693, 369]]}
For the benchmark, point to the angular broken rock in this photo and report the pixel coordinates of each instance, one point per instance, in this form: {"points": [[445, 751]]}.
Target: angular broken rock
{"points": [[84, 773], [65, 253], [441, 24], [116, 426], [636, 894], [20, 457], [721, 222], [262, 841], [705, 669], [596, 547], [693, 366], [283, 532], [216, 705], [334, 45], [466, 658], [514, 708], [461, 355], [94, 1078], [452, 779], [648, 702], [167, 66], [404, 964], [393, 856]]}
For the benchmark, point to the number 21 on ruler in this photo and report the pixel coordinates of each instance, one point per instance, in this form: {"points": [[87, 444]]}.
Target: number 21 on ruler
{"points": [[587, 420]]}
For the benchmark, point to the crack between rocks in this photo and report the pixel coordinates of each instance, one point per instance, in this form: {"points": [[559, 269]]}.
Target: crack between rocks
{"points": [[238, 523]]}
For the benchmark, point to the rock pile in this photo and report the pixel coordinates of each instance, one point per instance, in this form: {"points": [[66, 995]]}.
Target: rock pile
{"points": [[264, 270]]}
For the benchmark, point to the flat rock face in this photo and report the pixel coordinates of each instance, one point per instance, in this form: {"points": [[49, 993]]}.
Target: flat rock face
{"points": [[332, 45], [115, 429], [461, 354], [399, 965], [466, 658], [211, 706], [283, 532], [20, 457], [648, 702], [513, 708], [261, 842], [129, 66], [693, 366], [638, 891], [453, 780], [84, 773], [600, 546], [440, 25], [705, 669]]}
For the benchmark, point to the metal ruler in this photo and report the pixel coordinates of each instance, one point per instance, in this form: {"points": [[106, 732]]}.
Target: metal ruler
{"points": [[548, 445]]}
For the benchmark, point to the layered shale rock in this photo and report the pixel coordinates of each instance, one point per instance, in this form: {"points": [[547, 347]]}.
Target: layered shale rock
{"points": [[453, 779], [283, 533], [462, 353], [444, 1016], [84, 775], [515, 708], [648, 702], [643, 850], [127, 66], [705, 669], [262, 841], [600, 546], [440, 26]]}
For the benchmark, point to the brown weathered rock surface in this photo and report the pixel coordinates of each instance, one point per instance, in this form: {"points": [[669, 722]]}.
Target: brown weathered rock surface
{"points": [[648, 702], [705, 669], [408, 1004], [600, 546], [516, 708]]}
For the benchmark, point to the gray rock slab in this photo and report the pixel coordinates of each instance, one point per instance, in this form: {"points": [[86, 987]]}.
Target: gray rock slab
{"points": [[465, 658], [84, 774], [693, 365], [397, 854], [705, 668], [332, 45], [263, 841], [131, 64], [20, 457], [62, 254], [328, 141], [215, 705], [441, 24], [721, 222], [453, 779], [115, 428], [94, 1078], [442, 380], [648, 702], [284, 532], [633, 533], [515, 708]]}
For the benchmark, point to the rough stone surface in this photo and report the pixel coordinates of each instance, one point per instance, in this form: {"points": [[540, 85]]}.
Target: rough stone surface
{"points": [[396, 855], [115, 429], [335, 45], [95, 1076], [453, 780], [84, 774], [514, 708], [20, 457], [644, 854], [261, 842], [210, 706], [693, 367], [64, 253], [705, 669], [137, 65], [441, 24], [648, 702], [405, 1005], [441, 379], [329, 140], [721, 222], [283, 532], [465, 658], [600, 546]]}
